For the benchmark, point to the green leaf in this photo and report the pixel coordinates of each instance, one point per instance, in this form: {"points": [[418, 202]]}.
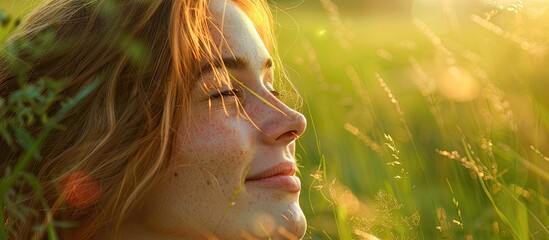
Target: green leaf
{"points": [[135, 50], [15, 212], [5, 134], [23, 138], [64, 224]]}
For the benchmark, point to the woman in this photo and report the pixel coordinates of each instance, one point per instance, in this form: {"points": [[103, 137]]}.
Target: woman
{"points": [[183, 138]]}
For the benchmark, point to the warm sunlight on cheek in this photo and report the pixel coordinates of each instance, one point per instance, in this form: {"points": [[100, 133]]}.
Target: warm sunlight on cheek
{"points": [[80, 190]]}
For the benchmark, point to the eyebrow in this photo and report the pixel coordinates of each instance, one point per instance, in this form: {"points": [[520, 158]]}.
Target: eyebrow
{"points": [[234, 63]]}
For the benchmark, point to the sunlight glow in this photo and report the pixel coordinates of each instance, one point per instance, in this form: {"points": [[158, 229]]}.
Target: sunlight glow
{"points": [[457, 84], [509, 5], [265, 225]]}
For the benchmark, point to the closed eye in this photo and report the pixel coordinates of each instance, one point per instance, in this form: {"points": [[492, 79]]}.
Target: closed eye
{"points": [[227, 93]]}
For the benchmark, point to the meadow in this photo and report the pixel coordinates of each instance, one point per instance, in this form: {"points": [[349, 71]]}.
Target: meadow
{"points": [[425, 121]]}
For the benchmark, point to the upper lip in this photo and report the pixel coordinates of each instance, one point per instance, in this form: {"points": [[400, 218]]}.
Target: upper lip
{"points": [[282, 169]]}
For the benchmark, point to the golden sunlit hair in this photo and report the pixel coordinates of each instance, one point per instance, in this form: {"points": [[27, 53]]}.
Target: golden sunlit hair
{"points": [[116, 142]]}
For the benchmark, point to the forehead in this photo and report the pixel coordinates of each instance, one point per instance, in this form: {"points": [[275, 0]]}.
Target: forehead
{"points": [[235, 35]]}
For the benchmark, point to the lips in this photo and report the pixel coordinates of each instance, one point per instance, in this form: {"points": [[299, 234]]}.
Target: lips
{"points": [[281, 176]]}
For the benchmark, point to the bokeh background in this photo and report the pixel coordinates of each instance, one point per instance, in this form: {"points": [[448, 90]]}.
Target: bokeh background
{"points": [[427, 119]]}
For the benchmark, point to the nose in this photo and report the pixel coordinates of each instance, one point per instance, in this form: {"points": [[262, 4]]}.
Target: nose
{"points": [[280, 123]]}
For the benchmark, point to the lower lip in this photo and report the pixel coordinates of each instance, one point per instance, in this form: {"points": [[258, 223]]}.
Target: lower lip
{"points": [[288, 183]]}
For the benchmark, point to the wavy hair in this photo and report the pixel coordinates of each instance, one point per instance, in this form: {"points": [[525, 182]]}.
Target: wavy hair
{"points": [[116, 142]]}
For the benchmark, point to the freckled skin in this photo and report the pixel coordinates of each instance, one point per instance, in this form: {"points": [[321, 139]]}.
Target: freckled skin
{"points": [[219, 148]]}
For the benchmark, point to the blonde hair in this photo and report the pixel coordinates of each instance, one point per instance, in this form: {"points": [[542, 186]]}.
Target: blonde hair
{"points": [[146, 55]]}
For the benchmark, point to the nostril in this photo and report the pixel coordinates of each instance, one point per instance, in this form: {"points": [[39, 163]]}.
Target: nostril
{"points": [[295, 135], [290, 136]]}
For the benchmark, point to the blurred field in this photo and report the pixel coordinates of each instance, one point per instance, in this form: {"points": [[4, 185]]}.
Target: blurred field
{"points": [[17, 8], [441, 107], [426, 121]]}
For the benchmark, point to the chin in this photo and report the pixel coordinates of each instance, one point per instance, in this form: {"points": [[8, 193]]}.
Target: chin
{"points": [[296, 228], [289, 223]]}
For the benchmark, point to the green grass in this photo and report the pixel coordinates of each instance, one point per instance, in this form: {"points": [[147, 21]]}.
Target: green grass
{"points": [[392, 96], [431, 125], [17, 8]]}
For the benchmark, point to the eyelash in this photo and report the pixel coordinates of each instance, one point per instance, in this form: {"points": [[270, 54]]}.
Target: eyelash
{"points": [[236, 93], [227, 93]]}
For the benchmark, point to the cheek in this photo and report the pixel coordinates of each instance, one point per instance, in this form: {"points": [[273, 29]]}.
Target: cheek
{"points": [[214, 153], [206, 169], [222, 141], [195, 188]]}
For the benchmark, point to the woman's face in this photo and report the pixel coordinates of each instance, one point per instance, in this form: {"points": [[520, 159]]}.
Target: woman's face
{"points": [[233, 172]]}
